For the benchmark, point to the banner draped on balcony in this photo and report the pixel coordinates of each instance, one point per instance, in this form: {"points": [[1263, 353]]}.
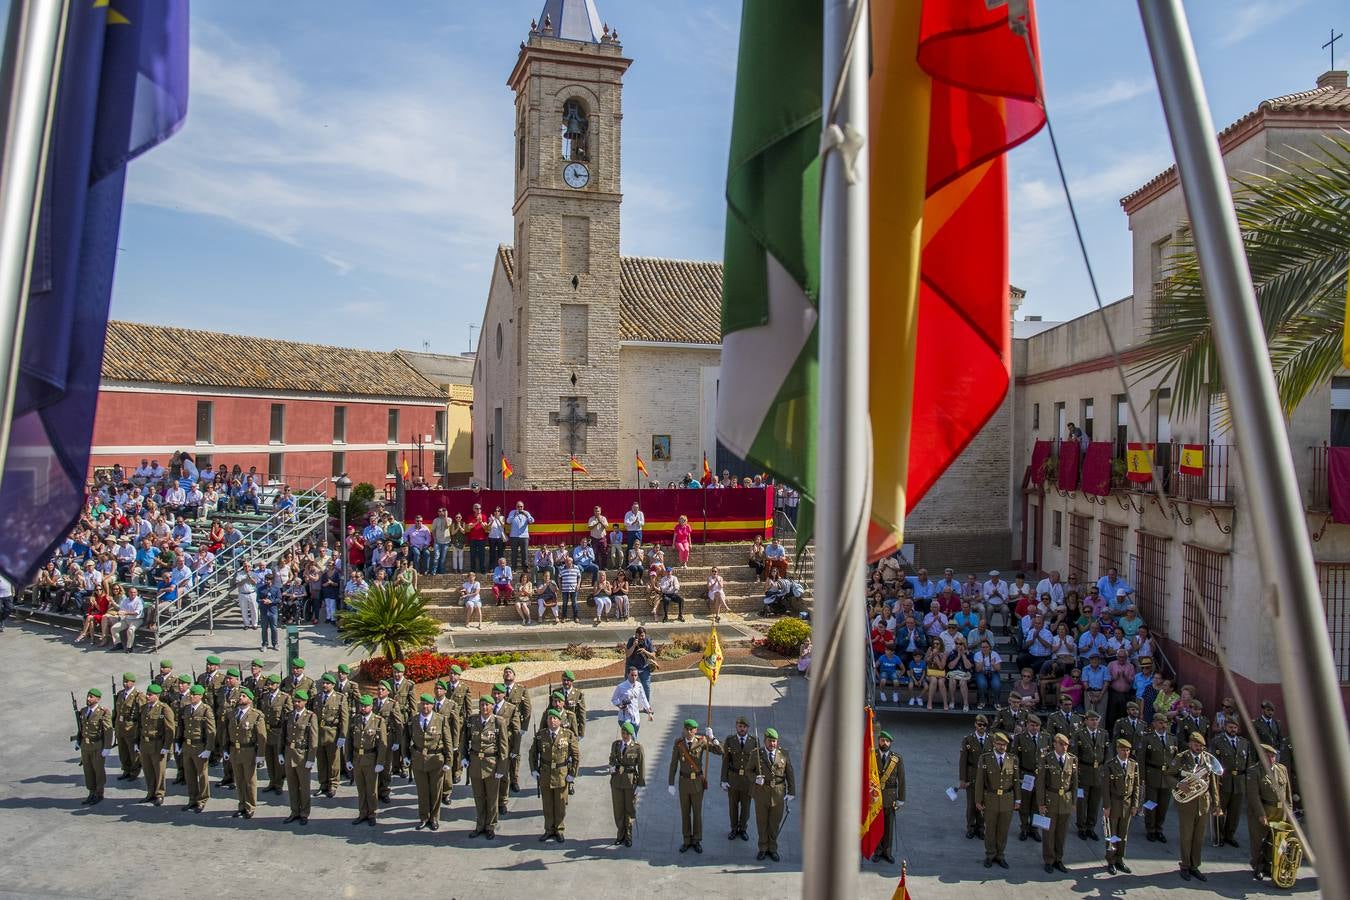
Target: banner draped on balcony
{"points": [[1067, 477], [1097, 468], [1039, 454], [1338, 483]]}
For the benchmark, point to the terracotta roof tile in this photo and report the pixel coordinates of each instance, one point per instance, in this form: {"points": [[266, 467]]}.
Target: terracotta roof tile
{"points": [[163, 355]]}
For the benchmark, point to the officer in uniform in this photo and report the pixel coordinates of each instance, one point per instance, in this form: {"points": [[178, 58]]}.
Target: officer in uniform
{"points": [[509, 713], [687, 760], [558, 702], [1092, 747], [212, 678], [165, 679], [430, 737], [1056, 791], [1193, 813], [519, 698], [198, 737], [298, 680], [775, 787], [94, 741], [299, 743], [484, 747], [1159, 748], [387, 709], [255, 680], [1131, 728], [1192, 718], [180, 699], [555, 757], [1012, 717], [1029, 747], [156, 729], [575, 701], [127, 715], [401, 692], [1124, 793], [891, 772], [457, 695], [369, 751], [997, 787], [1064, 720], [350, 691], [275, 706], [442, 705], [626, 768], [225, 698], [738, 763], [1235, 755], [973, 746], [246, 735], [1268, 728], [1272, 800], [330, 708]]}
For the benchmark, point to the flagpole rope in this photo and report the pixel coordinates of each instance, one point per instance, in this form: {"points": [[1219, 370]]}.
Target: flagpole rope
{"points": [[1188, 573]]}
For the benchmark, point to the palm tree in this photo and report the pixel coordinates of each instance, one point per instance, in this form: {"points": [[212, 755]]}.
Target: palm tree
{"points": [[1295, 224], [388, 619]]}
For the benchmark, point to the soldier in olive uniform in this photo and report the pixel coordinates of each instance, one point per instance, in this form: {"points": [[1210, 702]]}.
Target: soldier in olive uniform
{"points": [[330, 708], [556, 701], [973, 746], [1192, 814], [401, 692], [431, 735], [1092, 746], [245, 737], [1272, 800], [687, 760], [555, 757], [509, 713], [369, 751], [225, 698], [1012, 717], [626, 775], [738, 763], [275, 705], [212, 678], [457, 695], [156, 729], [198, 729], [127, 716], [775, 788], [1064, 720], [255, 680], [1131, 728], [1158, 748], [165, 679], [1235, 755], [891, 772], [350, 692], [1192, 718], [484, 747], [574, 701], [94, 741], [1124, 794], [519, 698], [997, 785], [1029, 747], [299, 744], [180, 699], [298, 680], [387, 709], [1056, 791]]}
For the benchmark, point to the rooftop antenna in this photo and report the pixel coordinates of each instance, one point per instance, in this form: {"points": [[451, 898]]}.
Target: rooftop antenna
{"points": [[426, 346], [1331, 45], [472, 328]]}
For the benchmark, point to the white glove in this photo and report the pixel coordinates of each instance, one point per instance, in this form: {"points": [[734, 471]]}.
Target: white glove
{"points": [[342, 742], [378, 768], [570, 778], [164, 752], [445, 768], [499, 775], [725, 786], [394, 747], [103, 753], [759, 779], [205, 754], [135, 748], [670, 789], [902, 803], [536, 775], [225, 756], [77, 748], [789, 798], [349, 766], [614, 770], [515, 755], [310, 764], [177, 748], [709, 732], [464, 763]]}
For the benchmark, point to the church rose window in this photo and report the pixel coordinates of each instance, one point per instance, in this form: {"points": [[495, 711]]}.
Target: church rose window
{"points": [[575, 127]]}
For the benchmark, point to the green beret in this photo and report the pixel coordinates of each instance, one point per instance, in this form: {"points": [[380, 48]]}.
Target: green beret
{"points": [[1001, 736], [741, 720], [1159, 717], [1121, 742], [427, 698], [771, 733], [440, 683], [297, 663], [302, 695], [366, 700], [185, 678], [499, 687], [557, 695], [457, 670], [568, 676], [344, 669], [1197, 736], [981, 719], [232, 672], [213, 660], [329, 677], [880, 735], [508, 669], [95, 692], [1033, 718], [691, 723], [627, 728], [1131, 705], [399, 667], [274, 678], [166, 664], [246, 692], [553, 714], [1269, 749], [197, 690], [484, 699], [1092, 714], [129, 676], [154, 689], [386, 685], [258, 662]]}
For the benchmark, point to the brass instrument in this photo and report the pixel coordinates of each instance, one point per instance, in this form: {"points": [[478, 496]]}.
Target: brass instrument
{"points": [[1286, 854], [1195, 780]]}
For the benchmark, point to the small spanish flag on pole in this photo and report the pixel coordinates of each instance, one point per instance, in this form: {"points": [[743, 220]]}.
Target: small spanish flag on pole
{"points": [[575, 465], [641, 466], [901, 891], [1139, 462], [1192, 460], [507, 471], [707, 471], [407, 469]]}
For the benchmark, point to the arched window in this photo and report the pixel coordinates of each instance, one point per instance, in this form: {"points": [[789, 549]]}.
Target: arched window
{"points": [[575, 128]]}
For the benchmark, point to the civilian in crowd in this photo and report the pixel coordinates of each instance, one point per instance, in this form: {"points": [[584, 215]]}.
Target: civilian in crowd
{"points": [[524, 594], [670, 594], [620, 596], [440, 541], [126, 619], [518, 523], [503, 581], [583, 555], [601, 598], [757, 558], [988, 675], [496, 534], [1094, 677], [682, 539], [936, 674], [1121, 674], [633, 522], [419, 541], [471, 594], [890, 672], [960, 668], [476, 533], [569, 582], [717, 594], [994, 593], [546, 600]]}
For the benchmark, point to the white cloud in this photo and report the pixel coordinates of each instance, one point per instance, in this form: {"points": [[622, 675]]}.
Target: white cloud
{"points": [[1253, 17], [1104, 184], [1122, 90]]}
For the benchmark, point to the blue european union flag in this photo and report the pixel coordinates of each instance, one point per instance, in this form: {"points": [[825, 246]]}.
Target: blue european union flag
{"points": [[123, 88]]}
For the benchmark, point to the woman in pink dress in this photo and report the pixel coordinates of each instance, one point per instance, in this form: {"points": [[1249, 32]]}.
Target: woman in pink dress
{"points": [[684, 535]]}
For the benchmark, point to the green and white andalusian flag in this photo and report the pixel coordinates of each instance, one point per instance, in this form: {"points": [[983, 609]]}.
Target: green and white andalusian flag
{"points": [[766, 404]]}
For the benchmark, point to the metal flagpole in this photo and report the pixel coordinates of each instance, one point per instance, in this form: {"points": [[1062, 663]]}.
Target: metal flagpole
{"points": [[1281, 530], [832, 804], [34, 41]]}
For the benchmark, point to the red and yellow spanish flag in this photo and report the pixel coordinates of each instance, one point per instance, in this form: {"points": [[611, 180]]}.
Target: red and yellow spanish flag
{"points": [[641, 466], [1192, 460], [1139, 462], [707, 471], [873, 824], [406, 469], [952, 90], [575, 465], [901, 891], [507, 471]]}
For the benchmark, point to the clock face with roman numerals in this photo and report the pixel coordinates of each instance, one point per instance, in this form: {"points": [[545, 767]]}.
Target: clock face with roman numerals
{"points": [[576, 175]]}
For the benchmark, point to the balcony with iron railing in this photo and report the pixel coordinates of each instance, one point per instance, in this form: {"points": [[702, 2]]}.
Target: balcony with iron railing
{"points": [[1319, 492], [1207, 480]]}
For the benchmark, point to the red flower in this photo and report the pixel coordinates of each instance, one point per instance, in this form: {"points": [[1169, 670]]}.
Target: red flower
{"points": [[423, 665]]}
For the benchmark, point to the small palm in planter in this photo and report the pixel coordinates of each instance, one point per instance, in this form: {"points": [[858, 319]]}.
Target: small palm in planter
{"points": [[388, 620]]}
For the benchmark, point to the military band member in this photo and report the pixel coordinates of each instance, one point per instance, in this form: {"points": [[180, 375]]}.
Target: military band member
{"points": [[198, 737], [156, 729], [1131, 728], [457, 695], [1192, 718], [687, 760], [891, 772], [998, 789], [431, 735], [775, 787], [369, 751], [1193, 814], [973, 746], [626, 775], [575, 701], [401, 692], [1012, 717], [484, 748], [1235, 754], [1268, 728], [1056, 791], [1092, 747], [510, 714], [519, 698], [555, 757], [299, 744], [94, 742], [1064, 720], [180, 699], [739, 752], [1124, 795], [330, 708], [387, 709], [558, 702], [255, 680], [1271, 800], [1158, 749], [1029, 747], [127, 716], [246, 735], [225, 698], [298, 680], [275, 705]]}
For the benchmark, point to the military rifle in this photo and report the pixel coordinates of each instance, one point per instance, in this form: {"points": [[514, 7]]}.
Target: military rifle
{"points": [[74, 705]]}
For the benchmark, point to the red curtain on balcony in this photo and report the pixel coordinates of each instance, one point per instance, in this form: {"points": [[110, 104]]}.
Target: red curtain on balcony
{"points": [[1067, 477], [1338, 483], [1039, 454], [1097, 468]]}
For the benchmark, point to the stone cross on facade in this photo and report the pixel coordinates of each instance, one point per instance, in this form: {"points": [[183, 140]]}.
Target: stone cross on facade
{"points": [[573, 421]]}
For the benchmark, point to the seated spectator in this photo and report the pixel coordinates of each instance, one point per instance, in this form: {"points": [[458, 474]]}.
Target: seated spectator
{"points": [[717, 594], [1115, 591], [96, 607], [910, 638], [1092, 642], [995, 594], [620, 596], [1037, 643], [1142, 644], [775, 559], [1071, 688], [181, 533], [988, 675], [924, 591], [543, 563], [1020, 588], [126, 619], [950, 638], [937, 674], [1028, 688], [950, 602], [601, 598], [503, 580], [1063, 653], [1144, 676], [546, 598], [934, 624], [777, 597], [890, 671], [964, 618], [523, 594], [1130, 622], [960, 667], [1093, 604], [471, 594], [981, 632], [918, 678], [1094, 679], [1050, 586], [757, 557], [192, 503]]}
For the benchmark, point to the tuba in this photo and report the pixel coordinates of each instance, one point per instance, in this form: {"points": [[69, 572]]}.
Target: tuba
{"points": [[1286, 854], [1195, 780]]}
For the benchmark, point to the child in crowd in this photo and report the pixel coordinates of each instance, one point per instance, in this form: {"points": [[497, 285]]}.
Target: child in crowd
{"points": [[918, 679], [889, 668]]}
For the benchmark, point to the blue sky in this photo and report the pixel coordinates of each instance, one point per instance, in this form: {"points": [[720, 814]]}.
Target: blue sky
{"points": [[344, 173]]}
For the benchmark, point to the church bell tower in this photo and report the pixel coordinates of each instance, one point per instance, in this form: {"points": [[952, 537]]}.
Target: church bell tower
{"points": [[568, 85]]}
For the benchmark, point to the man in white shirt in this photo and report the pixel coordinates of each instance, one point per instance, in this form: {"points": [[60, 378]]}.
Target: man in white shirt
{"points": [[670, 593], [633, 523], [1051, 585], [995, 594], [129, 613], [1114, 590], [631, 700]]}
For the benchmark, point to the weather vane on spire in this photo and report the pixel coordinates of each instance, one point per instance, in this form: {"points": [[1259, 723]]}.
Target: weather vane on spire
{"points": [[1331, 45]]}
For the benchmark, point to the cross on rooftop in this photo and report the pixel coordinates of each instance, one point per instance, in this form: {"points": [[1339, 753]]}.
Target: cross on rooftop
{"points": [[1331, 45]]}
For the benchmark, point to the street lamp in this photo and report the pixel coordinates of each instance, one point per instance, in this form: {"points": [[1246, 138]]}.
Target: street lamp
{"points": [[342, 486]]}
